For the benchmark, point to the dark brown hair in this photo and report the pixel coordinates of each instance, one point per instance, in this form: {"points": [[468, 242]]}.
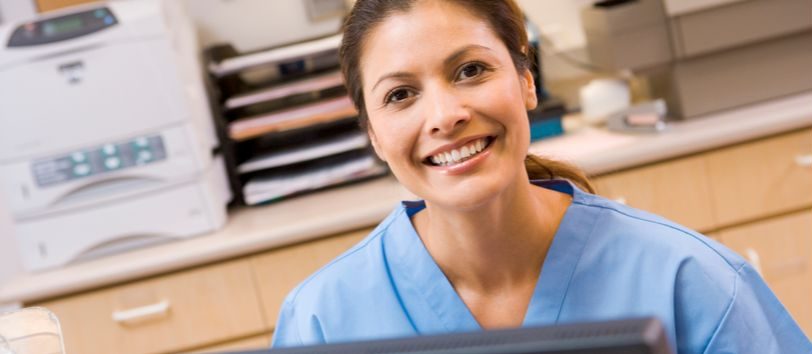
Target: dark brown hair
{"points": [[505, 19]]}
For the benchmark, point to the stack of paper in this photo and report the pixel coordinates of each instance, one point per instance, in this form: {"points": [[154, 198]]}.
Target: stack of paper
{"points": [[271, 187], [306, 152]]}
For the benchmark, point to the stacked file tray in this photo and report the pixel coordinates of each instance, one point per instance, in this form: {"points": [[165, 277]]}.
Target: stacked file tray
{"points": [[288, 121]]}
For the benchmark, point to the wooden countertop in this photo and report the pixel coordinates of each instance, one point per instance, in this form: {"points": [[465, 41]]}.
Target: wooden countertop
{"points": [[251, 230]]}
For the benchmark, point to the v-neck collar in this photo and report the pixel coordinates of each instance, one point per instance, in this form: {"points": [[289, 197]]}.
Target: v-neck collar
{"points": [[561, 263], [431, 301]]}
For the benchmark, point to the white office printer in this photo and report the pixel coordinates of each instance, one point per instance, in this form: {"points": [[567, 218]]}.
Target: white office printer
{"points": [[106, 137]]}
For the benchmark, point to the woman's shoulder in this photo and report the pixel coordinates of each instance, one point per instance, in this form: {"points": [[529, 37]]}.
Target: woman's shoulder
{"points": [[720, 302], [350, 272], [347, 298], [633, 228], [689, 280], [358, 263]]}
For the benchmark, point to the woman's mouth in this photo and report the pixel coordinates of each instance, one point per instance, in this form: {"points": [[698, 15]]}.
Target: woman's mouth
{"points": [[459, 155]]}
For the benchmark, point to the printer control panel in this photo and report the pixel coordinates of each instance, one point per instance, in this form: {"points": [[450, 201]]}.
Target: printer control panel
{"points": [[62, 27], [101, 159]]}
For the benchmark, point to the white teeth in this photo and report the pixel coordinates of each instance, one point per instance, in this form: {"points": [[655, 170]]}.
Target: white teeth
{"points": [[456, 155]]}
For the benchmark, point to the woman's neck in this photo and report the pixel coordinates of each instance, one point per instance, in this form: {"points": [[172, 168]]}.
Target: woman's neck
{"points": [[500, 244]]}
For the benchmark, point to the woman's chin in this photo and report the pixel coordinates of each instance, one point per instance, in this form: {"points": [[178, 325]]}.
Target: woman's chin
{"points": [[468, 191], [465, 196]]}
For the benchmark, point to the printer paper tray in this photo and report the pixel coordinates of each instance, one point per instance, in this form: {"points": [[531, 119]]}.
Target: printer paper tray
{"points": [[178, 212]]}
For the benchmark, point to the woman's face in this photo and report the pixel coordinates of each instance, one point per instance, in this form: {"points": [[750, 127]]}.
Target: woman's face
{"points": [[447, 109]]}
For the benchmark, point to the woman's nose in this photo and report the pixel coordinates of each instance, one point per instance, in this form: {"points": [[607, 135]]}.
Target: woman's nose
{"points": [[446, 113]]}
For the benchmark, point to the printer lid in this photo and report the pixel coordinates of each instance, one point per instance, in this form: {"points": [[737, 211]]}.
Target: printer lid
{"points": [[81, 27]]}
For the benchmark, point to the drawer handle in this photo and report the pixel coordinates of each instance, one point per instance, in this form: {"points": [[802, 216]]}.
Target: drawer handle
{"points": [[804, 160], [142, 313], [754, 259]]}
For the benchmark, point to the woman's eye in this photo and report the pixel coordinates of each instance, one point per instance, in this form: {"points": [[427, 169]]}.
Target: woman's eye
{"points": [[470, 70], [398, 95]]}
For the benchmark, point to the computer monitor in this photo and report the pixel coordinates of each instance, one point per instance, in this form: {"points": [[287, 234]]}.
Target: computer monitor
{"points": [[629, 336]]}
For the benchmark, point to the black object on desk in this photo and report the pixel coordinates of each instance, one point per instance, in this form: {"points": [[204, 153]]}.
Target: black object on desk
{"points": [[630, 336], [286, 121]]}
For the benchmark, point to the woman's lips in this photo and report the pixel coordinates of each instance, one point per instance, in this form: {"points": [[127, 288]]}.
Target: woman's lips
{"points": [[459, 153], [467, 164]]}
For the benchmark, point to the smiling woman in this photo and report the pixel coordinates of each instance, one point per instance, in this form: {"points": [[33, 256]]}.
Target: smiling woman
{"points": [[501, 239], [501, 24]]}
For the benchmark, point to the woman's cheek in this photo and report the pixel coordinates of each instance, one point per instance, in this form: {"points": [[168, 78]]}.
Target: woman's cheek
{"points": [[398, 136]]}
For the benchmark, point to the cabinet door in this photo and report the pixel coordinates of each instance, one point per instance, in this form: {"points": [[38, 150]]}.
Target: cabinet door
{"points": [[677, 190], [189, 309], [762, 178], [279, 271], [781, 249], [50, 5]]}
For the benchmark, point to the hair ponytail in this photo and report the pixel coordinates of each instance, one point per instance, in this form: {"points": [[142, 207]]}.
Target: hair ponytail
{"points": [[543, 168]]}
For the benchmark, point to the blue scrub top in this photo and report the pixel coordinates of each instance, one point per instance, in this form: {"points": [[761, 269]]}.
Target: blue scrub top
{"points": [[607, 261]]}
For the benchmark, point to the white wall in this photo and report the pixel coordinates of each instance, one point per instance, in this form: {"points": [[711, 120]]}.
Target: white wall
{"points": [[256, 24], [16, 10], [558, 19]]}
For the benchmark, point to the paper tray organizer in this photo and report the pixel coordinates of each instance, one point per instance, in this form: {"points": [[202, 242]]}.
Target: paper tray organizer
{"points": [[286, 121]]}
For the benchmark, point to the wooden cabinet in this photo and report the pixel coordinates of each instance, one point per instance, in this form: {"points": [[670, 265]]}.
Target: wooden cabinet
{"points": [[781, 250], [278, 272], [721, 188], [762, 178], [170, 313], [225, 306], [50, 5], [677, 190]]}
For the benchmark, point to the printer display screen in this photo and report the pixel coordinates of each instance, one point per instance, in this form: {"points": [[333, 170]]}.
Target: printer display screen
{"points": [[60, 28]]}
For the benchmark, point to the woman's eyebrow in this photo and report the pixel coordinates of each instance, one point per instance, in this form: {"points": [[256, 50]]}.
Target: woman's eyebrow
{"points": [[450, 60], [454, 57], [394, 75]]}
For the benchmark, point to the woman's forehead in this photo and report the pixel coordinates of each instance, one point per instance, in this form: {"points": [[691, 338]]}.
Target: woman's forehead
{"points": [[425, 35]]}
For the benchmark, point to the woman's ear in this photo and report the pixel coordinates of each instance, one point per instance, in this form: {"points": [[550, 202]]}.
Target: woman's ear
{"points": [[374, 141], [529, 90]]}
